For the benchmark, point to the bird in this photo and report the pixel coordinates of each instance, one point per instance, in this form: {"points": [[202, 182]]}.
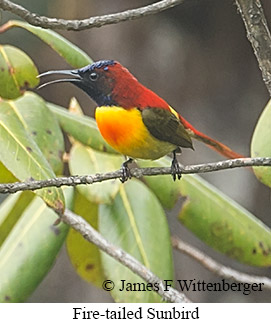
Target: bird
{"points": [[133, 119]]}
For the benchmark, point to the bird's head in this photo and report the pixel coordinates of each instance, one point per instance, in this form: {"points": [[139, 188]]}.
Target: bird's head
{"points": [[107, 82]]}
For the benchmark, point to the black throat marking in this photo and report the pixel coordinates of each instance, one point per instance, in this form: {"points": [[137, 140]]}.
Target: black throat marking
{"points": [[100, 98]]}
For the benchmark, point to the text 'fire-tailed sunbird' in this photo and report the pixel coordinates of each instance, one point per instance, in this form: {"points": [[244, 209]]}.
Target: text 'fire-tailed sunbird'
{"points": [[133, 119]]}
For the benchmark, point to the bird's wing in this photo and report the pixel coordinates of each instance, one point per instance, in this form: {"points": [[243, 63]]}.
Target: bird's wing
{"points": [[165, 126]]}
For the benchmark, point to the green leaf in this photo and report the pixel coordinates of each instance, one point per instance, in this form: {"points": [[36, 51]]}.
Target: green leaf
{"points": [[17, 72], [223, 224], [213, 217], [11, 210], [30, 250], [81, 128], [41, 124], [166, 190], [75, 108], [261, 144], [22, 157], [71, 53], [85, 256], [85, 161], [5, 175], [136, 222]]}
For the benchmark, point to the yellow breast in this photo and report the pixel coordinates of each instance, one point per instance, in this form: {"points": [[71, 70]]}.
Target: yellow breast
{"points": [[125, 131]]}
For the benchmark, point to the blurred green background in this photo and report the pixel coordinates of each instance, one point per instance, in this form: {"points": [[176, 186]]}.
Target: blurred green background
{"points": [[197, 57]]}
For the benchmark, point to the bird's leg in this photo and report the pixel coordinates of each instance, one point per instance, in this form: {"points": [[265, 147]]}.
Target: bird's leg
{"points": [[176, 170], [126, 174]]}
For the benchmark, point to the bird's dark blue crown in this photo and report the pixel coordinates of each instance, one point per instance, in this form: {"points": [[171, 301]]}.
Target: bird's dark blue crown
{"points": [[100, 64]]}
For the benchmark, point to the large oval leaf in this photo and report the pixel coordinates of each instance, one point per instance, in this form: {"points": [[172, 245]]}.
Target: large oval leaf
{"points": [[71, 53], [11, 210], [167, 190], [17, 72], [81, 128], [41, 124], [261, 144], [21, 155], [136, 222], [29, 251], [84, 160], [215, 218], [223, 224], [5, 175], [85, 256]]}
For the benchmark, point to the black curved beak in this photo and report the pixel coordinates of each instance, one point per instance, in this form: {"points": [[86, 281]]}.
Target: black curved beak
{"points": [[75, 77]]}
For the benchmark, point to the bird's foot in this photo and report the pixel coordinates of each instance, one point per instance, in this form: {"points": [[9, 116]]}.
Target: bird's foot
{"points": [[126, 173], [176, 170]]}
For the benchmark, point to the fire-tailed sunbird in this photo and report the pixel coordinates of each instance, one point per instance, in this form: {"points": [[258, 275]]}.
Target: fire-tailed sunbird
{"points": [[134, 120]]}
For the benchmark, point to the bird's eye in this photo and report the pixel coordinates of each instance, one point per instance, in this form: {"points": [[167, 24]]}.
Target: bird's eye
{"points": [[93, 76]]}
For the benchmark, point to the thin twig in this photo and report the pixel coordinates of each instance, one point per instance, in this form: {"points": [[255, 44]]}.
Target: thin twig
{"points": [[135, 172], [98, 21], [217, 268], [91, 235], [258, 34]]}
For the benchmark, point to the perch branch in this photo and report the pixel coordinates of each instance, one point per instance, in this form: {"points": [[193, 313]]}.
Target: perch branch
{"points": [[135, 172], [258, 34], [217, 268], [91, 235], [97, 21]]}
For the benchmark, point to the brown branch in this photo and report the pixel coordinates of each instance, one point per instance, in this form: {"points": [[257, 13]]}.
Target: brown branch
{"points": [[135, 172], [91, 235], [98, 21], [217, 268], [258, 34]]}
